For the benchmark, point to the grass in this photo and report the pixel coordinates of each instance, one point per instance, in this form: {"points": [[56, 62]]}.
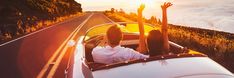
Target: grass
{"points": [[39, 24], [216, 44]]}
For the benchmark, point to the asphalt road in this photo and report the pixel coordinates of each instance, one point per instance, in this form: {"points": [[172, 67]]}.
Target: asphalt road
{"points": [[25, 57]]}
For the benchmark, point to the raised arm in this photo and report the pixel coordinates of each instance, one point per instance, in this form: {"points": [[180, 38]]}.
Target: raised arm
{"points": [[142, 44], [164, 28]]}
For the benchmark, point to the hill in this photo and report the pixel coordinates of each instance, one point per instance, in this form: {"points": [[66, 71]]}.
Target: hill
{"points": [[19, 17]]}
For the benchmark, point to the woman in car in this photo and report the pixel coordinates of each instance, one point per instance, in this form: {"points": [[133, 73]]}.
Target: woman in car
{"points": [[157, 41]]}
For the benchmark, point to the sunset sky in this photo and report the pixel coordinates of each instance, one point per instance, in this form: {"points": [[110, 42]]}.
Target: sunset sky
{"points": [[210, 14]]}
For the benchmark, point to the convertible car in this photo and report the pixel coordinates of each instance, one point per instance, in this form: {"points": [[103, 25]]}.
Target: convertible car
{"points": [[180, 63]]}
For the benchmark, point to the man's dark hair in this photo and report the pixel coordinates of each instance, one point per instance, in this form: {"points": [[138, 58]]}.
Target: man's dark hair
{"points": [[155, 43], [114, 35]]}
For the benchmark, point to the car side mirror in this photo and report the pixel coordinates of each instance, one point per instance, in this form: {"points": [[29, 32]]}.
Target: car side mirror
{"points": [[71, 43]]}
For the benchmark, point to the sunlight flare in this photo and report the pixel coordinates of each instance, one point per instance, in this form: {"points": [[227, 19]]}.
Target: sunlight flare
{"points": [[151, 2]]}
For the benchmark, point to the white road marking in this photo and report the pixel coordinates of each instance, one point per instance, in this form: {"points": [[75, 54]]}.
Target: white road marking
{"points": [[54, 68], [45, 68], [108, 18], [35, 32]]}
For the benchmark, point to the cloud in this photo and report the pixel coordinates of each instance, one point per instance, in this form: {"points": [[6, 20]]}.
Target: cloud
{"points": [[209, 14]]}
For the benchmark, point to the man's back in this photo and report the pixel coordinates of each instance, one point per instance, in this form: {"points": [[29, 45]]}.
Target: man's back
{"points": [[108, 55]]}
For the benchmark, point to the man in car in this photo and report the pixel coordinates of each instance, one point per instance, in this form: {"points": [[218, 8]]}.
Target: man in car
{"points": [[113, 52]]}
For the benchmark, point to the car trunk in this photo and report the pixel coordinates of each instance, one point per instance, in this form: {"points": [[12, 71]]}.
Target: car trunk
{"points": [[188, 67]]}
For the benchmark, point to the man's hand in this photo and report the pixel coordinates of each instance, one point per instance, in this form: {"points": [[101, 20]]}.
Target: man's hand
{"points": [[103, 42], [166, 5], [141, 8]]}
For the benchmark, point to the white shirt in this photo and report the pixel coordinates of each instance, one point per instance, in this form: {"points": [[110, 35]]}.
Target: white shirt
{"points": [[108, 55]]}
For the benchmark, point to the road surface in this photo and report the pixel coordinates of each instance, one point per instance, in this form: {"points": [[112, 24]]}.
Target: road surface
{"points": [[27, 56]]}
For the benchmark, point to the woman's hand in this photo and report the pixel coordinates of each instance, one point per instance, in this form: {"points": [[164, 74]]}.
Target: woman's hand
{"points": [[141, 8], [164, 26], [166, 5], [142, 44]]}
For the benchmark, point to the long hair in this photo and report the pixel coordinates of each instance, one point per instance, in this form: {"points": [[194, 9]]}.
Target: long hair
{"points": [[155, 43]]}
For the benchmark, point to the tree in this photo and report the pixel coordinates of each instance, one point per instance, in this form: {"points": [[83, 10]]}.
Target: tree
{"points": [[159, 21], [112, 10], [153, 20], [121, 11]]}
